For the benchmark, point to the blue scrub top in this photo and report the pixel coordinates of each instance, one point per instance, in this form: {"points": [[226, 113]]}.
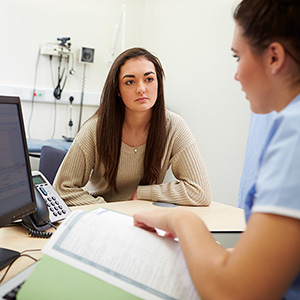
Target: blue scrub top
{"points": [[276, 189], [259, 128]]}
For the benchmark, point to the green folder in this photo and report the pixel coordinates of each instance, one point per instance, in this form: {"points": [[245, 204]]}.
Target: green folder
{"points": [[52, 279]]}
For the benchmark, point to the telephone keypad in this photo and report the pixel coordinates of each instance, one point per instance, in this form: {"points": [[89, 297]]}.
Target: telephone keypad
{"points": [[55, 206], [58, 210]]}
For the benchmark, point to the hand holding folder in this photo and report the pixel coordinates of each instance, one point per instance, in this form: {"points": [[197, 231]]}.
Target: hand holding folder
{"points": [[101, 255]]}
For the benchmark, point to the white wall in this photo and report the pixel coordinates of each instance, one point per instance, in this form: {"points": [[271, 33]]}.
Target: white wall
{"points": [[192, 39], [26, 25]]}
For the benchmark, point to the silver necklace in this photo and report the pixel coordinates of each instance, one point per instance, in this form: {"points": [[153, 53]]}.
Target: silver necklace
{"points": [[133, 143]]}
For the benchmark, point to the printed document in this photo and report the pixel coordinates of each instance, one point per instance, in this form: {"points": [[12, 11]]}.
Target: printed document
{"points": [[107, 245]]}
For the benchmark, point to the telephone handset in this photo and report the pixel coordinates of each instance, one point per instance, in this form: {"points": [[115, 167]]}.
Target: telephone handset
{"points": [[50, 207], [39, 220]]}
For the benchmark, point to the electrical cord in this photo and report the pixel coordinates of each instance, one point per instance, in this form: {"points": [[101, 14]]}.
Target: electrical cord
{"points": [[51, 70], [20, 255], [33, 92], [52, 225], [55, 110], [82, 96], [33, 96], [54, 121], [62, 79]]}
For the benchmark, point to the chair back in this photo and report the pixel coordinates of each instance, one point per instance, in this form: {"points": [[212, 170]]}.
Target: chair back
{"points": [[50, 161]]}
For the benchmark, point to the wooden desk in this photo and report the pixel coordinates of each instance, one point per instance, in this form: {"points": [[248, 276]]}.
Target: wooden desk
{"points": [[218, 217]]}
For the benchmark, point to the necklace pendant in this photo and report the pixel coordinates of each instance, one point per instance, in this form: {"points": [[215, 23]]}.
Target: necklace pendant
{"points": [[135, 150]]}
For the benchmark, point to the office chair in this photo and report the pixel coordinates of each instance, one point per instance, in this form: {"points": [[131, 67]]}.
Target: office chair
{"points": [[50, 161]]}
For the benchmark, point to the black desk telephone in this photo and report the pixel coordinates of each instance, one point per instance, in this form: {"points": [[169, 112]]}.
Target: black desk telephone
{"points": [[50, 207]]}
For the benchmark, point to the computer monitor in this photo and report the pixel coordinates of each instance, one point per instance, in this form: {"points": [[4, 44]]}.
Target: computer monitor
{"points": [[17, 198]]}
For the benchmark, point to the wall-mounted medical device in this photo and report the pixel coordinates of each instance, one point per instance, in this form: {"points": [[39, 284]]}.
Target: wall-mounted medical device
{"points": [[61, 49], [62, 59], [86, 55]]}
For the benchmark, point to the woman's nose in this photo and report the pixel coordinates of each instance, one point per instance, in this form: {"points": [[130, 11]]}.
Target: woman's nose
{"points": [[140, 89]]}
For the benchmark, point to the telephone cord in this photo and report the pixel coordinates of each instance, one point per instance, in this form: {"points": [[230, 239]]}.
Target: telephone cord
{"points": [[37, 233]]}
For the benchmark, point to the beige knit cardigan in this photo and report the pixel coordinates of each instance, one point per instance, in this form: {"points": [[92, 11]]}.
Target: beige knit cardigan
{"points": [[80, 181]]}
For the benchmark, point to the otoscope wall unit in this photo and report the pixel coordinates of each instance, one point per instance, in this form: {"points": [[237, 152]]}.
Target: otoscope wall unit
{"points": [[61, 48], [54, 50], [46, 95]]}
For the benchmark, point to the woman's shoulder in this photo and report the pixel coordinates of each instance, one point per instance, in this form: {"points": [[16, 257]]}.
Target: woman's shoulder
{"points": [[89, 125], [177, 127], [87, 131], [174, 119], [286, 125]]}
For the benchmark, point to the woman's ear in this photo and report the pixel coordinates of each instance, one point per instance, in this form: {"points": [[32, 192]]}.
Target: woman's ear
{"points": [[276, 57]]}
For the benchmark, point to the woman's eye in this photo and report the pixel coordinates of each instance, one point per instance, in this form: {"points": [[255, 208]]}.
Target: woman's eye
{"points": [[149, 79], [129, 82], [236, 57]]}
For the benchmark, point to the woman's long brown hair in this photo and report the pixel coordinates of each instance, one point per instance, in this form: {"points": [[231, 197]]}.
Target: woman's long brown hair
{"points": [[110, 122]]}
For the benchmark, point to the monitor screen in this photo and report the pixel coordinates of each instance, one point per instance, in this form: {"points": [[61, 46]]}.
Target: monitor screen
{"points": [[16, 187]]}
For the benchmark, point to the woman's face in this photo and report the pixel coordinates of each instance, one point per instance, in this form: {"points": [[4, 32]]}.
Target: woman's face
{"points": [[252, 74], [138, 84]]}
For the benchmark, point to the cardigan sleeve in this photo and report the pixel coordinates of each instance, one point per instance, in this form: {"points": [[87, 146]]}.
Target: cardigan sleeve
{"points": [[192, 185], [75, 170]]}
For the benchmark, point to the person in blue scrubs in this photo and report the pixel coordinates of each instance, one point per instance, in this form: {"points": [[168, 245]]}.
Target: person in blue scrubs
{"points": [[259, 128], [265, 263]]}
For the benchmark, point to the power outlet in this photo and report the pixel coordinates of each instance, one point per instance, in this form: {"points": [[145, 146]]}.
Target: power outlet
{"points": [[39, 95]]}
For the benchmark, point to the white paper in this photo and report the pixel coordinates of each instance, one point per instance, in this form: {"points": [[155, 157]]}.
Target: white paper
{"points": [[108, 246]]}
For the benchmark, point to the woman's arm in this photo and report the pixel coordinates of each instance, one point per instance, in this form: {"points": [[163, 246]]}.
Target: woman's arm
{"points": [[192, 185], [263, 264], [73, 175]]}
